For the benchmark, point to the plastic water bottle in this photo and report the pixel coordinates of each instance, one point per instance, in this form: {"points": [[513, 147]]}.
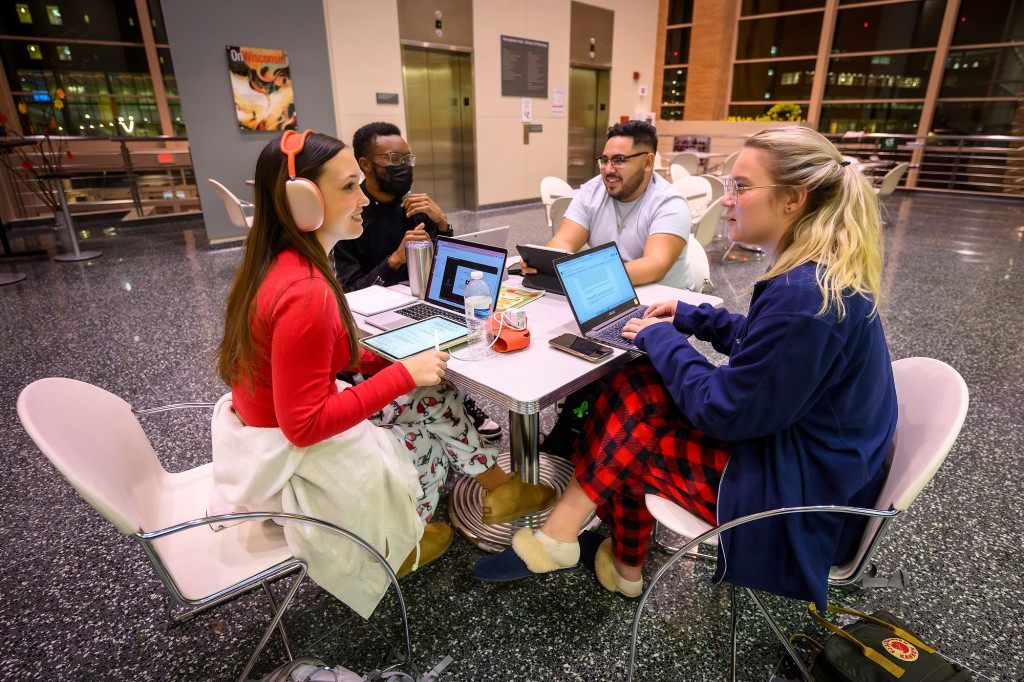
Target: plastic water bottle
{"points": [[478, 309]]}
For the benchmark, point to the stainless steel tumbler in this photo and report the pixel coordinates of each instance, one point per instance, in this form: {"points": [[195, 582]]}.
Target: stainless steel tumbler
{"points": [[418, 257]]}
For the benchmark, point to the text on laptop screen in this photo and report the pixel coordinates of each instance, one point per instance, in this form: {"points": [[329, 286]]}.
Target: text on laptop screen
{"points": [[454, 262], [596, 282]]}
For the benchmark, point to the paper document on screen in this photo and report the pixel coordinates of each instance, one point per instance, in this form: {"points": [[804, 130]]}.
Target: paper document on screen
{"points": [[376, 299]]}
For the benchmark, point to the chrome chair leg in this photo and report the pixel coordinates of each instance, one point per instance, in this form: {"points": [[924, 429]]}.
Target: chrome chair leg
{"points": [[781, 636], [273, 624], [280, 623], [732, 627]]}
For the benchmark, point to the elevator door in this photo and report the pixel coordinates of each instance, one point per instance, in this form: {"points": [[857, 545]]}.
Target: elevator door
{"points": [[588, 122], [439, 125]]}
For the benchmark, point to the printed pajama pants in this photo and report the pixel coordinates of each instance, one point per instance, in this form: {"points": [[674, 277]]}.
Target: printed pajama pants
{"points": [[433, 428]]}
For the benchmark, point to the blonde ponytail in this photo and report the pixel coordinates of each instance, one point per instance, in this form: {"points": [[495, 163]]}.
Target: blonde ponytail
{"points": [[839, 227]]}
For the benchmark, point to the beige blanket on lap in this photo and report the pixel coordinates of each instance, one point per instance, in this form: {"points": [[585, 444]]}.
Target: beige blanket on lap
{"points": [[359, 480]]}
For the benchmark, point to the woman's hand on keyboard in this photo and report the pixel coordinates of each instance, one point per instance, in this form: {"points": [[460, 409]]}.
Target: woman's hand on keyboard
{"points": [[427, 368], [663, 309], [634, 326]]}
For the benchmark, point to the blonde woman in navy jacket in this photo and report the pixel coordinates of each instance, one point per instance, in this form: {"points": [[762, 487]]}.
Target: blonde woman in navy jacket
{"points": [[802, 414]]}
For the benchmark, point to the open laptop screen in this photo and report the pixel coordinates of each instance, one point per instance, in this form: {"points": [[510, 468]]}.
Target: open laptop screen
{"points": [[454, 261], [596, 284]]}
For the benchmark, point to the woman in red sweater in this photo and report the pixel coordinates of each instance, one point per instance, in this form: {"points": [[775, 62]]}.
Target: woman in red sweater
{"points": [[288, 332]]}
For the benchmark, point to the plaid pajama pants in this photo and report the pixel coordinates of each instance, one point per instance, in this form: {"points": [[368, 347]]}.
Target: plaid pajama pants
{"points": [[431, 426], [635, 442]]}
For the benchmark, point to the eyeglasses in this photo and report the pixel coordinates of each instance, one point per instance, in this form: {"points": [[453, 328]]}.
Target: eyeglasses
{"points": [[397, 159], [734, 189], [617, 161]]}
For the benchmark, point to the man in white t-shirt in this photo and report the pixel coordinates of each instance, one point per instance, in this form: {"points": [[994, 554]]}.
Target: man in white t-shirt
{"points": [[630, 204]]}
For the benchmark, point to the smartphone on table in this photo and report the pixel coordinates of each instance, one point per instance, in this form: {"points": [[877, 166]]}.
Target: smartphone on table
{"points": [[581, 347]]}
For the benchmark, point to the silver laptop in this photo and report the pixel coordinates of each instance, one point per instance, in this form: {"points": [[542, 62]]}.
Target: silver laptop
{"points": [[496, 236], [453, 262], [600, 294]]}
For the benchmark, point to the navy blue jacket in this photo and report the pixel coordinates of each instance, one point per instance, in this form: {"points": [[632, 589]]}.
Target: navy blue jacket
{"points": [[810, 407]]}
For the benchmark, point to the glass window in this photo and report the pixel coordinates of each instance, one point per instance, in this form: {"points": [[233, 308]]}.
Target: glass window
{"points": [[673, 87], [64, 53], [163, 55], [989, 22], [888, 27], [768, 6], [93, 116], [880, 76], [786, 81], [787, 36], [24, 14], [113, 20], [33, 51], [156, 19], [53, 14], [752, 111], [871, 117], [680, 12], [672, 113], [995, 72], [974, 118], [677, 46]]}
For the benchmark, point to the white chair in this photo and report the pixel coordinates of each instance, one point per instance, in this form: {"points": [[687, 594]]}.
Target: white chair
{"points": [[236, 207], [688, 160], [726, 166], [677, 171], [558, 209], [696, 190], [717, 186], [932, 401], [707, 226], [891, 180], [95, 440], [552, 188], [699, 266]]}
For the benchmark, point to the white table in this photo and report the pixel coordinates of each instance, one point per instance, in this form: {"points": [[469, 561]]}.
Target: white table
{"points": [[525, 382]]}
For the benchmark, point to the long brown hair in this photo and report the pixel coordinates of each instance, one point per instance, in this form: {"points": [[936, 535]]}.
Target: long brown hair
{"points": [[274, 230]]}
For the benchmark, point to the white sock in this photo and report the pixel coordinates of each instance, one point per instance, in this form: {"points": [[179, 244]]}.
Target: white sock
{"points": [[629, 588], [562, 553]]}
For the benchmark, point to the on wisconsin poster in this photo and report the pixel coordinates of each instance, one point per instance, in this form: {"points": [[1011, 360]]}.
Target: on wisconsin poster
{"points": [[261, 83]]}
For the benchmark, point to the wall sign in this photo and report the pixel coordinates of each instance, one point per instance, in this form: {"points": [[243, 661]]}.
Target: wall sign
{"points": [[524, 67], [387, 98]]}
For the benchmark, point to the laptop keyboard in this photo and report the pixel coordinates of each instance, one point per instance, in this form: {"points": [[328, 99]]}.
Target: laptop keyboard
{"points": [[614, 332], [421, 311]]}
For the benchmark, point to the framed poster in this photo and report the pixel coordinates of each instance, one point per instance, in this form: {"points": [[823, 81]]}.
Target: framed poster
{"points": [[261, 84]]}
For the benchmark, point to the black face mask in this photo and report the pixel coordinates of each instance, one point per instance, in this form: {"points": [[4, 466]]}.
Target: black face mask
{"points": [[398, 180]]}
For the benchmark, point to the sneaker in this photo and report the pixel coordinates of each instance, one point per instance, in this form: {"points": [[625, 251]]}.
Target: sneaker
{"points": [[485, 426]]}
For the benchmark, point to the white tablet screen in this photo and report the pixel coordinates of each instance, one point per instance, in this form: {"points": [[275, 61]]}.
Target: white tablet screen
{"points": [[415, 338]]}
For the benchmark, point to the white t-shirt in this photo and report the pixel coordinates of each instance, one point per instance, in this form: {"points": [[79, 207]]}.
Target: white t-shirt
{"points": [[659, 210]]}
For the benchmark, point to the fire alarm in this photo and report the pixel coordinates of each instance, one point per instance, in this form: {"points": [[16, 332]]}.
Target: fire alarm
{"points": [[636, 75]]}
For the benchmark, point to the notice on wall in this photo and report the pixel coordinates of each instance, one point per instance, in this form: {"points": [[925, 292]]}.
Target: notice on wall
{"points": [[558, 102], [261, 83], [524, 67]]}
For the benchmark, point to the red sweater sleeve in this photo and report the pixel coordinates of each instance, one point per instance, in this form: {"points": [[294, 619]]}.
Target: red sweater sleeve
{"points": [[308, 345], [371, 363]]}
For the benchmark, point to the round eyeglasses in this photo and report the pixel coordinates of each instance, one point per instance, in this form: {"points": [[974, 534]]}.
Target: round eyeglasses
{"points": [[396, 159]]}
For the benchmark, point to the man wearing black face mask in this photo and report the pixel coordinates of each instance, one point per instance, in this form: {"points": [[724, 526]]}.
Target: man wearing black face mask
{"points": [[392, 218], [394, 215]]}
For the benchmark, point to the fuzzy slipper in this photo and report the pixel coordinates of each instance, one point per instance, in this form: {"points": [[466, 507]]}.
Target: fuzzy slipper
{"points": [[524, 558], [605, 571]]}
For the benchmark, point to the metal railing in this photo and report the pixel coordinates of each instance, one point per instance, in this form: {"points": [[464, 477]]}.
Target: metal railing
{"points": [[141, 175], [979, 164], [976, 164]]}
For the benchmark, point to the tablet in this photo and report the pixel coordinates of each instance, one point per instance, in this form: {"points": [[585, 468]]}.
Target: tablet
{"points": [[540, 258], [415, 338]]}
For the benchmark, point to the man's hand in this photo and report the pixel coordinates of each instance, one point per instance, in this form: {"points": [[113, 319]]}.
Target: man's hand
{"points": [[397, 259], [421, 203]]}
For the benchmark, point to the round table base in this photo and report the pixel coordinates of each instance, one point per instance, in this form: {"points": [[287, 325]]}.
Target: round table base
{"points": [[11, 278], [465, 510], [74, 258]]}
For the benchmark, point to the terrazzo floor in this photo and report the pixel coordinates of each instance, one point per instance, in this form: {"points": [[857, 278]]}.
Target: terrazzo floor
{"points": [[79, 601]]}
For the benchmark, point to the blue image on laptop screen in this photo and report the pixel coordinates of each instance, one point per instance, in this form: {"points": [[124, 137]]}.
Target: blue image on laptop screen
{"points": [[454, 262], [596, 282]]}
